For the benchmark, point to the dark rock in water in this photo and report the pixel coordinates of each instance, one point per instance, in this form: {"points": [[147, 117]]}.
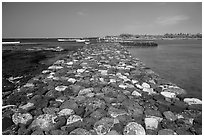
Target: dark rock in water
{"points": [[6, 123]]}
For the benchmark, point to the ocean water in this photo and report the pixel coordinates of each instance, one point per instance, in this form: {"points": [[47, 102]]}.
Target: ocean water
{"points": [[179, 61]]}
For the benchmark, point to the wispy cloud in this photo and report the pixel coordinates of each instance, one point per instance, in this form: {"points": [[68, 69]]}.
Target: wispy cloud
{"points": [[80, 13], [171, 20]]}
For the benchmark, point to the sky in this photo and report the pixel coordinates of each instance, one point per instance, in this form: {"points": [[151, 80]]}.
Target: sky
{"points": [[47, 20]]}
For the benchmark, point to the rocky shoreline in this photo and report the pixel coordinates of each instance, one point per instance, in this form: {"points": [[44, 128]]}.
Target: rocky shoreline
{"points": [[101, 89]]}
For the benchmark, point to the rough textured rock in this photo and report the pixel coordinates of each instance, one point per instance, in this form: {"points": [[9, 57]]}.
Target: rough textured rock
{"points": [[43, 122], [133, 128], [19, 118], [169, 116], [104, 125]]}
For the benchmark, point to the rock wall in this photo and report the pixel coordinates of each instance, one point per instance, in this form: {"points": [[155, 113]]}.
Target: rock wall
{"points": [[101, 89]]}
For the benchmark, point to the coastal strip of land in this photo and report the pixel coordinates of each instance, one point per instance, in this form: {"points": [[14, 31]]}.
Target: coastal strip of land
{"points": [[101, 89]]}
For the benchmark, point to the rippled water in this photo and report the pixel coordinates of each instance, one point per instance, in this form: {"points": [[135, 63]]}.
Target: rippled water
{"points": [[179, 61]]}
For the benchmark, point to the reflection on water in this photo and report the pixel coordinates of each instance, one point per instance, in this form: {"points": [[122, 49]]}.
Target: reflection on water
{"points": [[179, 61]]}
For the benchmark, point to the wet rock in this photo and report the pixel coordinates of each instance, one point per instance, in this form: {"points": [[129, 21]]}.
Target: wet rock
{"points": [[166, 132], [169, 116], [133, 128], [151, 123], [169, 124], [103, 126], [80, 131], [23, 131], [75, 88], [121, 97], [19, 118]]}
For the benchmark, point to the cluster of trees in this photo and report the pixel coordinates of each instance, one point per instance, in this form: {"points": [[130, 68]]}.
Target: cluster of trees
{"points": [[167, 35]]}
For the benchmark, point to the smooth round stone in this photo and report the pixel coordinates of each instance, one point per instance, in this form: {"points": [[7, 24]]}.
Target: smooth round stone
{"points": [[168, 94], [19, 118], [80, 131], [151, 123], [72, 80], [169, 116], [60, 88], [134, 128], [145, 85], [191, 101], [166, 132]]}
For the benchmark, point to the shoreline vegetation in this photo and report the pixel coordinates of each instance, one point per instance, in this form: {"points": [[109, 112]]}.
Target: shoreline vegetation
{"points": [[99, 89]]}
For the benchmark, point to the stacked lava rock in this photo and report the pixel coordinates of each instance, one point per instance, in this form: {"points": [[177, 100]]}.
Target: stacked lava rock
{"points": [[102, 90]]}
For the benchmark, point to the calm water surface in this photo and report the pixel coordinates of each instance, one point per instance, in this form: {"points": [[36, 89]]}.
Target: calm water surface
{"points": [[179, 61]]}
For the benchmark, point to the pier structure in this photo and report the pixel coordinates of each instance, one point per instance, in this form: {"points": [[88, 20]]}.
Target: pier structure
{"points": [[101, 89]]}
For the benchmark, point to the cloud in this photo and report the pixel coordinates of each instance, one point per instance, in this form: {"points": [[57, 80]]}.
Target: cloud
{"points": [[171, 20], [80, 13]]}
